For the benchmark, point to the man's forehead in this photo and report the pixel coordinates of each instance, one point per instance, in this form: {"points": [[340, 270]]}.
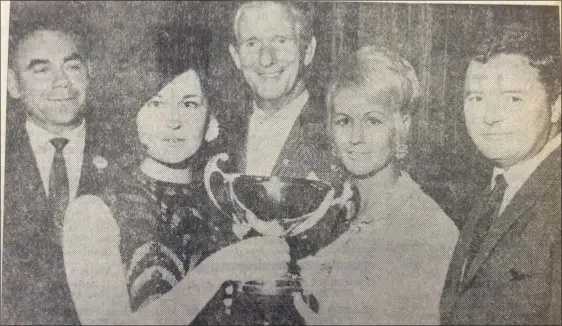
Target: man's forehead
{"points": [[265, 19], [46, 44], [504, 70]]}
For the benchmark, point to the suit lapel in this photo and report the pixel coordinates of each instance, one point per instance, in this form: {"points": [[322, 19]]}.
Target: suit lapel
{"points": [[283, 163], [26, 210], [89, 179], [27, 160], [524, 199], [238, 143], [299, 144], [458, 260]]}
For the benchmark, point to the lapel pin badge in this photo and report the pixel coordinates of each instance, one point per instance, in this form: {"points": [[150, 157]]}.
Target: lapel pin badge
{"points": [[100, 162], [312, 176]]}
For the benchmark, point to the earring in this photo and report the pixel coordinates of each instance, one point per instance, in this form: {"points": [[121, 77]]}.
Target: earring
{"points": [[401, 151], [212, 129], [334, 152]]}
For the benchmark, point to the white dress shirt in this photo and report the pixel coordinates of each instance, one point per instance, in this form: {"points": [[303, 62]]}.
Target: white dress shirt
{"points": [[267, 134], [517, 174], [44, 153]]}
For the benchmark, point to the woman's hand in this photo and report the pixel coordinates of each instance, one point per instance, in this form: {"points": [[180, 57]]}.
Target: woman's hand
{"points": [[313, 280], [305, 308], [255, 259]]}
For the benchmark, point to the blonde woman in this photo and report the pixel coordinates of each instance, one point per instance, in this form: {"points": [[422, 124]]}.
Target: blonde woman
{"points": [[390, 266]]}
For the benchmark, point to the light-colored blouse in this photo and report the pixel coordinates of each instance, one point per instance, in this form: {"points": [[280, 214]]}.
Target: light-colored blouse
{"points": [[390, 266]]}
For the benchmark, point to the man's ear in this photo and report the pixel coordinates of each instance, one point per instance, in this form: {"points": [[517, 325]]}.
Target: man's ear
{"points": [[90, 68], [407, 121], [235, 56], [13, 84], [309, 51], [555, 111]]}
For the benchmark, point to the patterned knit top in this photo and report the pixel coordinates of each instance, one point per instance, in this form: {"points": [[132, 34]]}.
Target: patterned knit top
{"points": [[165, 231]]}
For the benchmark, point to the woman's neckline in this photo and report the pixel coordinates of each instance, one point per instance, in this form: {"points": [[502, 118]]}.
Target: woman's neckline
{"points": [[160, 172], [382, 182]]}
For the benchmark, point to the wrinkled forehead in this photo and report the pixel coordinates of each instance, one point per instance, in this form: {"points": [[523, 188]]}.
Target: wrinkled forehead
{"points": [[47, 45], [265, 20], [504, 72]]}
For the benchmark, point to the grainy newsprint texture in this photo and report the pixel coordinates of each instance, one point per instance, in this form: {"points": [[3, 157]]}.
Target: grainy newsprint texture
{"points": [[276, 163]]}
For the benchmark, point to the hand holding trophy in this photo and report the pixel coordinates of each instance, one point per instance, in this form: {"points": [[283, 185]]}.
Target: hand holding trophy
{"points": [[296, 209]]}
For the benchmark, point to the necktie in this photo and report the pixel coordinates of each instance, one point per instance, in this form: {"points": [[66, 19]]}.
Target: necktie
{"points": [[58, 182], [490, 211]]}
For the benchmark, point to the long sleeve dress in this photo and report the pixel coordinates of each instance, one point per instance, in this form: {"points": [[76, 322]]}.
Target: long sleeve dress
{"points": [[390, 266], [162, 231]]}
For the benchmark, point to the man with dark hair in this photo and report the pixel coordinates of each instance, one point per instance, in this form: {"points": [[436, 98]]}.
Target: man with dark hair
{"points": [[506, 265], [52, 156]]}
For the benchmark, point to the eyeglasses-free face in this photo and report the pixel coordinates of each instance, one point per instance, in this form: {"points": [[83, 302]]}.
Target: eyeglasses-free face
{"points": [[172, 123]]}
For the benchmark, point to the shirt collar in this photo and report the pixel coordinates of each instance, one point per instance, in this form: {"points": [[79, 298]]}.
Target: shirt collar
{"points": [[293, 108], [518, 173], [40, 137]]}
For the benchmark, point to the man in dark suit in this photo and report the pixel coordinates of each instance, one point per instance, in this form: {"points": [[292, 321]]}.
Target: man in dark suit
{"points": [[506, 266], [52, 156], [282, 129]]}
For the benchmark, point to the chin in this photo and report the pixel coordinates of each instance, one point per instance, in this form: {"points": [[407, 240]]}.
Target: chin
{"points": [[270, 95], [171, 159], [358, 170], [499, 153]]}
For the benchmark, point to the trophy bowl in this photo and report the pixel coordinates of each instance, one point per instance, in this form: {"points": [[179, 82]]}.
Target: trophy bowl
{"points": [[309, 214], [275, 206]]}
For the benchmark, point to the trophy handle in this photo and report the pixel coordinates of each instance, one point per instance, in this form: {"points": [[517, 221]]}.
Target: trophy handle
{"points": [[346, 194], [210, 168], [311, 219]]}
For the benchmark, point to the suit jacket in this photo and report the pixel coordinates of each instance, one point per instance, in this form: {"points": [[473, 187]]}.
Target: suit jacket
{"points": [[306, 149], [515, 276], [34, 288]]}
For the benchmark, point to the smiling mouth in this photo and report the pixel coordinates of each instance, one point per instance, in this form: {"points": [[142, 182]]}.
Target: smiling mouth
{"points": [[270, 74], [360, 154], [496, 134], [62, 99], [173, 140]]}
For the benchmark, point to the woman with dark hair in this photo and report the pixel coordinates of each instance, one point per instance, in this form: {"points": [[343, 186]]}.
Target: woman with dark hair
{"points": [[390, 266], [135, 253]]}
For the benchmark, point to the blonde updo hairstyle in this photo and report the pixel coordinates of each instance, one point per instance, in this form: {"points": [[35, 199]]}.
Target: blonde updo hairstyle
{"points": [[382, 77]]}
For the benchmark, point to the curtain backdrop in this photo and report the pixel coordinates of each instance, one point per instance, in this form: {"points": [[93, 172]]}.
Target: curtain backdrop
{"points": [[434, 37]]}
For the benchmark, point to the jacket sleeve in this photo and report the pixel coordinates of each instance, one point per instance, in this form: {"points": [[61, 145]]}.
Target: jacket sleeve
{"points": [[555, 301]]}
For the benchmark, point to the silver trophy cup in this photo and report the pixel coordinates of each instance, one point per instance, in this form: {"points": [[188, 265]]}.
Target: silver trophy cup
{"points": [[281, 207]]}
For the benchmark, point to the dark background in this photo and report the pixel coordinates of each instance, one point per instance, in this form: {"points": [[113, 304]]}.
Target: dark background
{"points": [[434, 37]]}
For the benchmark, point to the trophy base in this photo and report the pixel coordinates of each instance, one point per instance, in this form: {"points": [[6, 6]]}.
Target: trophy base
{"points": [[253, 305], [274, 288]]}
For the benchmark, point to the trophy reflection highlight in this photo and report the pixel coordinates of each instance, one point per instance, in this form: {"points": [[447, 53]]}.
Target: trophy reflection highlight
{"points": [[281, 207]]}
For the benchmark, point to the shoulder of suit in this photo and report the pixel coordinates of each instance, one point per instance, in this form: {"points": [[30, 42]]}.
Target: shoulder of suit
{"points": [[314, 110], [16, 135]]}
